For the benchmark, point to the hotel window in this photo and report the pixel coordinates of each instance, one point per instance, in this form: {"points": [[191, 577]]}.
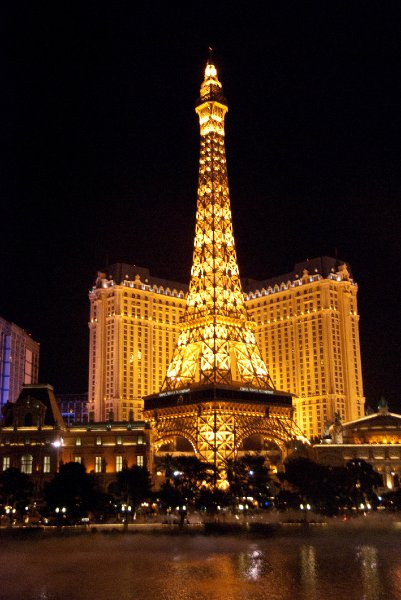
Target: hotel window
{"points": [[98, 464], [139, 461], [46, 464], [119, 463], [78, 459], [78, 441], [26, 464], [119, 440], [98, 441], [6, 462]]}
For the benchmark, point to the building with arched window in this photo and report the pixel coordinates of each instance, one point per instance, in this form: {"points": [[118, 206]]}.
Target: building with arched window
{"points": [[35, 439], [374, 438]]}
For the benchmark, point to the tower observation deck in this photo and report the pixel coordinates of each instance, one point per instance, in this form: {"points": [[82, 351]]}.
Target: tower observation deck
{"points": [[217, 389]]}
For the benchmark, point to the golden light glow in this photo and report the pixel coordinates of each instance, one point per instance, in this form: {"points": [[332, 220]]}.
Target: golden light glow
{"points": [[216, 343]]}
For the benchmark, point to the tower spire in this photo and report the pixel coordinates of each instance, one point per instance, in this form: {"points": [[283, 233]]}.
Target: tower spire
{"points": [[216, 343]]}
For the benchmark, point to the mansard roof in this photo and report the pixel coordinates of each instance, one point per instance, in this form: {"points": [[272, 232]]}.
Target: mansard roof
{"points": [[38, 399]]}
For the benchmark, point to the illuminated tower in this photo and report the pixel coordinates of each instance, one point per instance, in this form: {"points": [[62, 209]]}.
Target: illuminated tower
{"points": [[217, 389], [217, 342]]}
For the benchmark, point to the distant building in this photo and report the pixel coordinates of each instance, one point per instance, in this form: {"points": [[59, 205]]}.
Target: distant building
{"points": [[374, 438], [30, 433], [73, 408], [35, 439], [307, 329], [19, 361]]}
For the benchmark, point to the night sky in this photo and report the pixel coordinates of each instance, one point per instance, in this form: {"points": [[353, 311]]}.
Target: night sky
{"points": [[100, 146]]}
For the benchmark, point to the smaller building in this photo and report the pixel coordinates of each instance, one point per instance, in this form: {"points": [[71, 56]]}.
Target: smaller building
{"points": [[106, 448], [19, 361], [31, 433], [35, 439], [73, 408], [374, 438]]}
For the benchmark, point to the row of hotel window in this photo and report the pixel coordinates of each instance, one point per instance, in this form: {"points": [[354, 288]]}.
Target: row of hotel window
{"points": [[98, 441], [100, 465]]}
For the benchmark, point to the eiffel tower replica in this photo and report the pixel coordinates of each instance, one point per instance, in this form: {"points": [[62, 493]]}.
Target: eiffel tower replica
{"points": [[217, 391]]}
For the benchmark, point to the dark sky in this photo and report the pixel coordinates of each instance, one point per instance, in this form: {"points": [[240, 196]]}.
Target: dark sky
{"points": [[100, 147]]}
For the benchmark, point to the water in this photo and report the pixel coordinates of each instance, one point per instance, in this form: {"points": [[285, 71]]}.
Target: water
{"points": [[329, 565]]}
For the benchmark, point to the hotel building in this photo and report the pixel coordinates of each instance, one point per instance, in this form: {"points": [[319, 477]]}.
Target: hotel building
{"points": [[308, 333], [307, 329], [133, 331]]}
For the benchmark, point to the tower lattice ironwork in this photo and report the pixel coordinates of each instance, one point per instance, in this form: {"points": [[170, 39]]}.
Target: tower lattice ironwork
{"points": [[217, 390], [217, 341]]}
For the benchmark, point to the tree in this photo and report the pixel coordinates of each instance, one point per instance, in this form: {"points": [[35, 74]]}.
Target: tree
{"points": [[73, 489], [249, 477], [186, 479], [211, 500], [363, 480], [134, 485], [191, 474], [167, 462], [170, 496], [324, 487], [16, 489]]}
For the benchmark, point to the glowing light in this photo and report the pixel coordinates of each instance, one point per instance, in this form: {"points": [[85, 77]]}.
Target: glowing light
{"points": [[216, 343]]}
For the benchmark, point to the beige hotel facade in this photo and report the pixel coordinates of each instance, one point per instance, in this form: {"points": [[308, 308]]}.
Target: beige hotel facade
{"points": [[307, 329]]}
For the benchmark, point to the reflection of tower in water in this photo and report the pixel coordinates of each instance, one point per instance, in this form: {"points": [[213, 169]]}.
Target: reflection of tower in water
{"points": [[308, 571], [368, 558]]}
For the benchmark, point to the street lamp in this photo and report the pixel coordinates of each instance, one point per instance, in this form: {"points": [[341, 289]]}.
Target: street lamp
{"points": [[305, 508], [57, 444], [126, 510]]}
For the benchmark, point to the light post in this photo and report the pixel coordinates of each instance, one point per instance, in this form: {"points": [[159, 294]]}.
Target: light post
{"points": [[57, 445], [126, 510], [60, 514], [305, 508], [10, 512]]}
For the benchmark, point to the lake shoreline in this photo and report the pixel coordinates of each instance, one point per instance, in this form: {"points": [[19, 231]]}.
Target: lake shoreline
{"points": [[207, 528]]}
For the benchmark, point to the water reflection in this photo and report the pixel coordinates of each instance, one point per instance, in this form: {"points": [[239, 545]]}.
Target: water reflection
{"points": [[308, 571], [253, 564], [192, 577], [44, 595], [145, 567], [367, 556]]}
